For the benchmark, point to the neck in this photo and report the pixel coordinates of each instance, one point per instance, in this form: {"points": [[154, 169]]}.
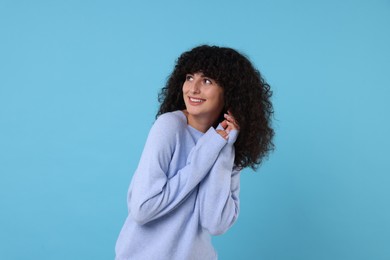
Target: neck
{"points": [[200, 123]]}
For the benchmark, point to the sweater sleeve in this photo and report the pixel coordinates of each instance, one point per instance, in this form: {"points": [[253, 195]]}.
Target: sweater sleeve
{"points": [[219, 192], [152, 194]]}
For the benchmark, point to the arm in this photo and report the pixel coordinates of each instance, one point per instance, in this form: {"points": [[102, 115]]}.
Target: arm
{"points": [[219, 192], [152, 194]]}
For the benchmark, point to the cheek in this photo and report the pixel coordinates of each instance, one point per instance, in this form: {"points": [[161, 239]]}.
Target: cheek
{"points": [[220, 96], [185, 88], [222, 101], [184, 93]]}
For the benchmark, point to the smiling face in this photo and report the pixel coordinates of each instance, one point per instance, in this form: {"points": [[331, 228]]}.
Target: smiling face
{"points": [[203, 98]]}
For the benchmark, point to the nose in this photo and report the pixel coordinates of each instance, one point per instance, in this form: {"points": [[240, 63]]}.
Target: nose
{"points": [[195, 87]]}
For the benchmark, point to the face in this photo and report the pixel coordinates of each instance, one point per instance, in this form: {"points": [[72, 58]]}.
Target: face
{"points": [[203, 97]]}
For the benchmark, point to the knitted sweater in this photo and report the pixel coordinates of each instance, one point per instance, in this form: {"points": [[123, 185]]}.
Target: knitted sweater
{"points": [[184, 190]]}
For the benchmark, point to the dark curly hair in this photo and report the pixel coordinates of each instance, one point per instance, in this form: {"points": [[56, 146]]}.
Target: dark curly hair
{"points": [[246, 94]]}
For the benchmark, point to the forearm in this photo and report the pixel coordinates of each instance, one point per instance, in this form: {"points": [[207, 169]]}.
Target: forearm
{"points": [[219, 194], [153, 194]]}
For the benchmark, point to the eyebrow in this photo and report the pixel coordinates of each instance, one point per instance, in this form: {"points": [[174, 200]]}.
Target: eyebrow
{"points": [[201, 75], [199, 72]]}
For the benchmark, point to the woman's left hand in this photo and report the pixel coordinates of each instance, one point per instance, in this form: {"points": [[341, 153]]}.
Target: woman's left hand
{"points": [[228, 125]]}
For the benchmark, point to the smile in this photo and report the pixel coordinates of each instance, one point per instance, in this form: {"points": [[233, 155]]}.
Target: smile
{"points": [[197, 100]]}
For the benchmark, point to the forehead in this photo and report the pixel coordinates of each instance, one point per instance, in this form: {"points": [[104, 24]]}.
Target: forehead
{"points": [[198, 73], [201, 74]]}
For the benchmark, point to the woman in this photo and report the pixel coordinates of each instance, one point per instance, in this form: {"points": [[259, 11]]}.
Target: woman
{"points": [[214, 120]]}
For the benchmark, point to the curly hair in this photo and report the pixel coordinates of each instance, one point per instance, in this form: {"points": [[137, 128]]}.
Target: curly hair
{"points": [[246, 94]]}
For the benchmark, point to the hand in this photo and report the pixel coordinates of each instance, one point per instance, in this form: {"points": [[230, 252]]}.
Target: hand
{"points": [[230, 122], [223, 133], [228, 125]]}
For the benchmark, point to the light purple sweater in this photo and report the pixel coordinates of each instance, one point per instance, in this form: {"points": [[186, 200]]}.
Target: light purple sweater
{"points": [[184, 189]]}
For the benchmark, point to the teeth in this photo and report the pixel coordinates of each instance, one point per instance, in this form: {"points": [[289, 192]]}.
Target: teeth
{"points": [[196, 100]]}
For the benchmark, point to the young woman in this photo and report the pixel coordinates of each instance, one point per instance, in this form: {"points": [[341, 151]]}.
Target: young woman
{"points": [[214, 120]]}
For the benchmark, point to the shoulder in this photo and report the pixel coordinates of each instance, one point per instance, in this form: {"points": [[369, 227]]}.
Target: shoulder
{"points": [[167, 130], [168, 126], [172, 120]]}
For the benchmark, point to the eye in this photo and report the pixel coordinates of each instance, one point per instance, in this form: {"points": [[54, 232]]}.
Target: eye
{"points": [[189, 77], [207, 81]]}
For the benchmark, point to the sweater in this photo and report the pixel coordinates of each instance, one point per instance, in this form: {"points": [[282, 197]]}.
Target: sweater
{"points": [[184, 190]]}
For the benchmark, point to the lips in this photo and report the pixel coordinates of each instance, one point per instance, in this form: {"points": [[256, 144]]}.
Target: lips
{"points": [[196, 101]]}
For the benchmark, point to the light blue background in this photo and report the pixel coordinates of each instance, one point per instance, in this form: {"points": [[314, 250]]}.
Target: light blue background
{"points": [[78, 94]]}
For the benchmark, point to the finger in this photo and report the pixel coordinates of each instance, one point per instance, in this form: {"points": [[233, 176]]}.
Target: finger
{"points": [[230, 114], [223, 133], [230, 118], [224, 124], [232, 125]]}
